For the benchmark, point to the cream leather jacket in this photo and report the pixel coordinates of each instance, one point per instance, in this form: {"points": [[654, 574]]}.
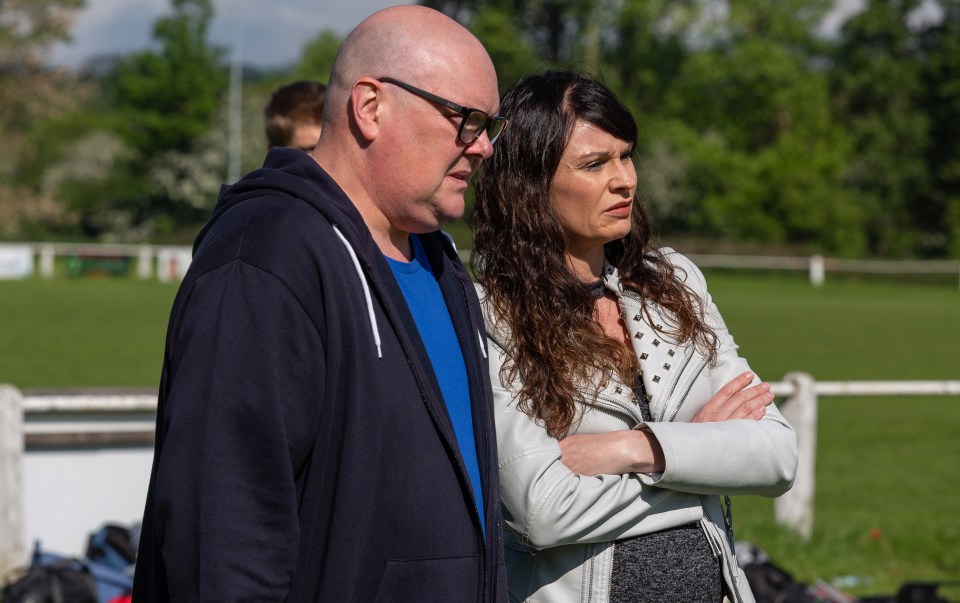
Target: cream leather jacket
{"points": [[562, 528]]}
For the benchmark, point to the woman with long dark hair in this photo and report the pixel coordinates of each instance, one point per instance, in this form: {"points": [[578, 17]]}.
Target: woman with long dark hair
{"points": [[624, 413]]}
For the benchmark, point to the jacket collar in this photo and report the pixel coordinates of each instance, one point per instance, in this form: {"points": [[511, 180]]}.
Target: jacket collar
{"points": [[662, 360]]}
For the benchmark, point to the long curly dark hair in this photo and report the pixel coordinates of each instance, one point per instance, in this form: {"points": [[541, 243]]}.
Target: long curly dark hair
{"points": [[519, 252]]}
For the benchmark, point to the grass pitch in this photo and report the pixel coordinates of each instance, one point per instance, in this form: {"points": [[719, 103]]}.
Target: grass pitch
{"points": [[888, 469], [82, 332]]}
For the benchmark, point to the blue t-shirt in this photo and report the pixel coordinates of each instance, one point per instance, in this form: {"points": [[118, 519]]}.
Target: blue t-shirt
{"points": [[429, 310]]}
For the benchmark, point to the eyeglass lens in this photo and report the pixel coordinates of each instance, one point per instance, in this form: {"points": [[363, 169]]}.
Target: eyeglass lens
{"points": [[474, 124]]}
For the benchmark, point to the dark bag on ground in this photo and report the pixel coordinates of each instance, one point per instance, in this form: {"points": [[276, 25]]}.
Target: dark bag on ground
{"points": [[914, 592], [769, 583], [112, 546], [62, 581]]}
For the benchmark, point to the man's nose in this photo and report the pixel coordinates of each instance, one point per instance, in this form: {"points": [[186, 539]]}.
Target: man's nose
{"points": [[481, 146]]}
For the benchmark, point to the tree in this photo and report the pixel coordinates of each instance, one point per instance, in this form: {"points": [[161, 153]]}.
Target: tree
{"points": [[168, 99], [877, 82], [938, 213], [649, 50], [512, 56], [558, 30], [755, 127], [748, 133], [28, 28], [316, 58], [169, 96], [29, 92]]}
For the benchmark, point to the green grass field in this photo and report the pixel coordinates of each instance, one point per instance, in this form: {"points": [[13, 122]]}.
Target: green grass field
{"points": [[888, 469], [82, 332]]}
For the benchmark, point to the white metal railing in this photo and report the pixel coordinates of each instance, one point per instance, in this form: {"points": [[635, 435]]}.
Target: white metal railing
{"points": [[126, 418], [795, 508], [91, 448], [166, 262], [816, 266], [169, 262], [109, 418]]}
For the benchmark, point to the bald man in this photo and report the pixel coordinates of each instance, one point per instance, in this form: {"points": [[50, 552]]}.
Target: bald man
{"points": [[324, 428]]}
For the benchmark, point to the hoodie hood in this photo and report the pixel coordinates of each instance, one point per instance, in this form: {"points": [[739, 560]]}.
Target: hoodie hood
{"points": [[293, 173]]}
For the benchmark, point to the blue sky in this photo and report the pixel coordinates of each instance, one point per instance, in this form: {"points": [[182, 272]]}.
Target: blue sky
{"points": [[274, 31]]}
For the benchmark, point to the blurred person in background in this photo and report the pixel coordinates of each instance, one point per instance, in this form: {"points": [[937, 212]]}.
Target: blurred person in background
{"points": [[623, 410], [293, 116]]}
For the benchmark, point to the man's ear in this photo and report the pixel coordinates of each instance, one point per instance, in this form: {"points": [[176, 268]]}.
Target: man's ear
{"points": [[366, 97]]}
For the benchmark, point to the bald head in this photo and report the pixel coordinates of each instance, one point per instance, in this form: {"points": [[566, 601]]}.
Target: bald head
{"points": [[411, 43], [401, 87]]}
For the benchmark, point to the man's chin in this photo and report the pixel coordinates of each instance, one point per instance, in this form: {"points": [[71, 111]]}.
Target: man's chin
{"points": [[449, 210], [436, 214], [437, 223]]}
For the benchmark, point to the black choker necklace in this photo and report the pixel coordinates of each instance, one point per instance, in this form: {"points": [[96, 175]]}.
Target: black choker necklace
{"points": [[597, 290]]}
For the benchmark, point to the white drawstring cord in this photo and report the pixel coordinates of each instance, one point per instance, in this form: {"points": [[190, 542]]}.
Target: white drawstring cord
{"points": [[366, 290]]}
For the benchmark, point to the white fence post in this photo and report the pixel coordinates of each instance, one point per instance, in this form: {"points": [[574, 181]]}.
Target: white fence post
{"points": [[12, 549], [144, 262], [47, 253], [817, 270], [795, 508]]}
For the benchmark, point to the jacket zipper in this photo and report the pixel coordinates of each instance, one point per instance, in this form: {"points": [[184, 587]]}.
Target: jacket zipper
{"points": [[586, 596], [680, 370], [716, 543], [612, 556], [673, 409], [604, 402]]}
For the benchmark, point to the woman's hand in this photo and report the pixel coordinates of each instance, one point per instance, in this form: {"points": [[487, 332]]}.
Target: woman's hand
{"points": [[613, 453], [736, 401], [638, 451]]}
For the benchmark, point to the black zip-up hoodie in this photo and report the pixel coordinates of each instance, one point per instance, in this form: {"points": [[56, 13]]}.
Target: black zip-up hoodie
{"points": [[303, 450]]}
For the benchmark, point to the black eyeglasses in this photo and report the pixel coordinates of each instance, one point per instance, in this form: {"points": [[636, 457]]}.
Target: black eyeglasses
{"points": [[474, 121]]}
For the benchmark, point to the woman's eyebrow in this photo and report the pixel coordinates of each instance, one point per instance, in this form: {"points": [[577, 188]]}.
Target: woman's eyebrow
{"points": [[605, 153], [596, 154]]}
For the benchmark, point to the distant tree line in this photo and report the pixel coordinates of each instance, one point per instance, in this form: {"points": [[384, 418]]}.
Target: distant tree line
{"points": [[757, 127]]}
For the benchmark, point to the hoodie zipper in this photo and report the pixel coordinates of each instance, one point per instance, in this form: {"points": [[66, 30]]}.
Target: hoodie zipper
{"points": [[489, 565], [415, 369]]}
